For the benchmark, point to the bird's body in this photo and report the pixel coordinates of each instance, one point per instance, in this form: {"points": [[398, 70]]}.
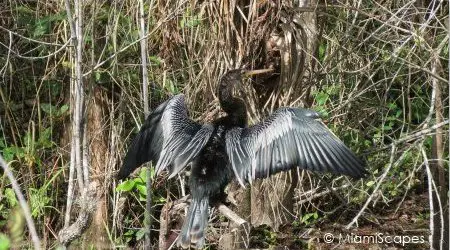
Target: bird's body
{"points": [[210, 173], [228, 149], [211, 170]]}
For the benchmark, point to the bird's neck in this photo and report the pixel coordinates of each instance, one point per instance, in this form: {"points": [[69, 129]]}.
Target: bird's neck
{"points": [[234, 107]]}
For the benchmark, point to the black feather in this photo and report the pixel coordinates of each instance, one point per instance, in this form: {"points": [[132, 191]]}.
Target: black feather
{"points": [[269, 144], [290, 137], [168, 138]]}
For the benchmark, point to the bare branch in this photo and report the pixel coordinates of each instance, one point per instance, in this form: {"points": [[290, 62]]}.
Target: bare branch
{"points": [[64, 46], [23, 204], [231, 215], [431, 187], [143, 43], [31, 39], [377, 187]]}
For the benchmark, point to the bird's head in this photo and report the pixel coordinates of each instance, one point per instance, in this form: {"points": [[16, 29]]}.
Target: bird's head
{"points": [[235, 76]]}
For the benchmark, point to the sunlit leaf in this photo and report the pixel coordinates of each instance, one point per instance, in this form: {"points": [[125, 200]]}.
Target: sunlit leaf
{"points": [[370, 183], [125, 186], [142, 190], [5, 243], [10, 197]]}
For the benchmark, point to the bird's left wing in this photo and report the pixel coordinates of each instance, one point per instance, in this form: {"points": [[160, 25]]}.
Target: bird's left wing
{"points": [[288, 138], [168, 137]]}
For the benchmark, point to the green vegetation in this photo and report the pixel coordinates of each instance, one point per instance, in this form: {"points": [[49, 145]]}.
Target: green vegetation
{"points": [[377, 78]]}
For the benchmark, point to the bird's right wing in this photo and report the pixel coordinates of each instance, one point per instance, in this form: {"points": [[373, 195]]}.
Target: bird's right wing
{"points": [[288, 138], [168, 137]]}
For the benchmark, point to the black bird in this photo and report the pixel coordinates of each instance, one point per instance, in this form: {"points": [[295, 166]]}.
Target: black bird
{"points": [[228, 149]]}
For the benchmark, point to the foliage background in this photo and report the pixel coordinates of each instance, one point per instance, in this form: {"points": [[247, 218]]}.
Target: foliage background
{"points": [[379, 75]]}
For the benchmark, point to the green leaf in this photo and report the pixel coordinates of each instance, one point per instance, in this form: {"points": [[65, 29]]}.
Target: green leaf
{"points": [[190, 21], [5, 243], [169, 86], [67, 64], [140, 234], [142, 190], [44, 140], [321, 98], [125, 186], [48, 108], [322, 50], [322, 112], [63, 109], [392, 105], [387, 127], [54, 110], [309, 218], [11, 152], [43, 25], [10, 197], [143, 174], [161, 200], [155, 59], [142, 198], [38, 201], [41, 28], [370, 183]]}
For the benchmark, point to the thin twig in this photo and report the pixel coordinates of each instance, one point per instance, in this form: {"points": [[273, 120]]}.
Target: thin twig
{"points": [[414, 135], [377, 187], [431, 186], [38, 57], [70, 189], [143, 43], [448, 57], [155, 29], [4, 68], [23, 204], [79, 96], [31, 39]]}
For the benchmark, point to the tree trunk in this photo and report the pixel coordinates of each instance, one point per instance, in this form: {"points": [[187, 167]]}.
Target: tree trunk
{"points": [[437, 169], [272, 198], [96, 234]]}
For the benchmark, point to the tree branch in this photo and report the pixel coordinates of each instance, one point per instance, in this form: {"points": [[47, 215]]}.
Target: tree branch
{"points": [[23, 204]]}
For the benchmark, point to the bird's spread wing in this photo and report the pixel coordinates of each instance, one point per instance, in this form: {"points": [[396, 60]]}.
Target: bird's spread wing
{"points": [[168, 138], [290, 137]]}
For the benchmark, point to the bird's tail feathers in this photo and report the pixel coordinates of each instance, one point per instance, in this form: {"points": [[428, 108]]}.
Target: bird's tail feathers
{"points": [[193, 229]]}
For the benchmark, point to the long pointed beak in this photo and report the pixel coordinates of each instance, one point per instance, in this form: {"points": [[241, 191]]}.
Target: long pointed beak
{"points": [[256, 72]]}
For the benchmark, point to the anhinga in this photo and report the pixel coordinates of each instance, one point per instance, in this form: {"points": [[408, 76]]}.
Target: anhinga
{"points": [[228, 149]]}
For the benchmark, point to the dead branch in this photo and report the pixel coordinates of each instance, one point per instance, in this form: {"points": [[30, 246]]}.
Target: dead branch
{"points": [[311, 195], [231, 215]]}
